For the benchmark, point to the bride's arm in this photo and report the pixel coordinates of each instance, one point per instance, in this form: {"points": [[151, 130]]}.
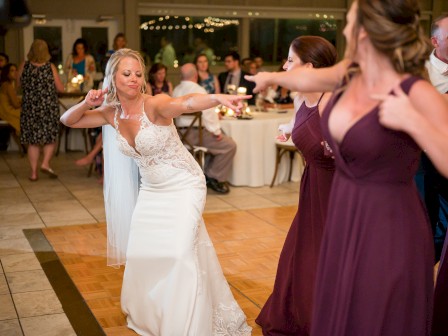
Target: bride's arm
{"points": [[168, 107], [80, 115], [303, 79]]}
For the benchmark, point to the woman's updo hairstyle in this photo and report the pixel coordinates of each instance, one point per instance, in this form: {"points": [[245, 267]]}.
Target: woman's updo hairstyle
{"points": [[315, 50], [394, 29]]}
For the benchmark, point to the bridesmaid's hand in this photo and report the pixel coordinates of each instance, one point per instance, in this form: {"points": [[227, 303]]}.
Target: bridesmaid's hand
{"points": [[328, 152], [95, 98], [395, 109], [283, 137], [261, 81]]}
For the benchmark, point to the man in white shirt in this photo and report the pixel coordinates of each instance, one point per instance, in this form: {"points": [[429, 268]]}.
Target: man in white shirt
{"points": [[435, 185], [438, 61], [221, 147]]}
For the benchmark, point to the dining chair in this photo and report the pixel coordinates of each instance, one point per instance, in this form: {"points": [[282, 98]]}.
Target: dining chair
{"points": [[89, 141], [282, 148], [12, 134], [62, 128], [198, 151]]}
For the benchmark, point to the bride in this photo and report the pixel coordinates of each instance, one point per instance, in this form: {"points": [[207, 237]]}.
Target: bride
{"points": [[173, 284]]}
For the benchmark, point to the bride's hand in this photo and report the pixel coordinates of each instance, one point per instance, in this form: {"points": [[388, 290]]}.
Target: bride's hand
{"points": [[233, 102], [95, 98]]}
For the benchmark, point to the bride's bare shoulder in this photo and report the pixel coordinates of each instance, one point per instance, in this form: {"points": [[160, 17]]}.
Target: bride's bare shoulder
{"points": [[108, 112]]}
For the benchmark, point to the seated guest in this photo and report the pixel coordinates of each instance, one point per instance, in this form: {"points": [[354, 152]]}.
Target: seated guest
{"points": [[235, 76], [157, 80], [206, 79], [244, 63], [283, 94], [4, 59], [10, 104], [259, 62], [220, 146], [250, 67]]}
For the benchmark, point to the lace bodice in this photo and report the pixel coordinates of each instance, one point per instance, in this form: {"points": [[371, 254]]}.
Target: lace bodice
{"points": [[158, 151]]}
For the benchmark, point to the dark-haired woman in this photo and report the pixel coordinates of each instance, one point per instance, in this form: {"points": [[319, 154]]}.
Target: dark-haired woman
{"points": [[206, 79], [157, 80], [375, 270], [80, 62], [288, 309]]}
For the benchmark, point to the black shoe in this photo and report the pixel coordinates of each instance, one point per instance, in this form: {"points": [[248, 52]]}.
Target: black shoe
{"points": [[219, 187]]}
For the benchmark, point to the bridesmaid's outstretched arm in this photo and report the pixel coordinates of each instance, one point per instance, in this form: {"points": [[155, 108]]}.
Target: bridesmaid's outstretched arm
{"points": [[302, 79]]}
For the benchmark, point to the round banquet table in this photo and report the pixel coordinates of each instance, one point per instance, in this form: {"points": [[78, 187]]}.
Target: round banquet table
{"points": [[254, 162]]}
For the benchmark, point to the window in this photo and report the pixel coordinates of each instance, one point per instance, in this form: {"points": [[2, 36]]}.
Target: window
{"points": [[61, 34], [53, 37], [270, 38], [98, 43], [189, 36]]}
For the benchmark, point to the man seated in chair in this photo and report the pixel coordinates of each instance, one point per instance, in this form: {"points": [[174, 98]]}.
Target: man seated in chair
{"points": [[221, 147]]}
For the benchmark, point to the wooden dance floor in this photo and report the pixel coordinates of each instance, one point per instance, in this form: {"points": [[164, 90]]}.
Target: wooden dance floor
{"points": [[248, 244]]}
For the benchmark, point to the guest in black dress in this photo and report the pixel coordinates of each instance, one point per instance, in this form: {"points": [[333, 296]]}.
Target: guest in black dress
{"points": [[39, 120]]}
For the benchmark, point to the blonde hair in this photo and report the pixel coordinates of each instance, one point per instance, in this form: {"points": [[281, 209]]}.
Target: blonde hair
{"points": [[394, 29], [111, 71], [39, 52]]}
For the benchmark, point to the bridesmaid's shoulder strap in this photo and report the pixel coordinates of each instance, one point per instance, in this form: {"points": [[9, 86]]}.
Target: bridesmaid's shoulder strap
{"points": [[320, 98], [407, 83]]}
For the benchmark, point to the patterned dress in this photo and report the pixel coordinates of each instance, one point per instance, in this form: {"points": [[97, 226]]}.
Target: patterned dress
{"points": [[208, 84], [39, 120]]}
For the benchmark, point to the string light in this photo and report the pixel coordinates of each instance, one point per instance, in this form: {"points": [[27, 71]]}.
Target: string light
{"points": [[210, 22]]}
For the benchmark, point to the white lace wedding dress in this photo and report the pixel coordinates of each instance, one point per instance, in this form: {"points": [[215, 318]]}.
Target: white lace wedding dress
{"points": [[173, 283]]}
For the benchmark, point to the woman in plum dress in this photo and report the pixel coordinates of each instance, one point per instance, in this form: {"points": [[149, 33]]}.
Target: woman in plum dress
{"points": [[288, 309], [375, 274]]}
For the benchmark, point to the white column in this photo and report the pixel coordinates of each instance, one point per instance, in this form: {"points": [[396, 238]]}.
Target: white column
{"points": [[131, 23], [244, 38]]}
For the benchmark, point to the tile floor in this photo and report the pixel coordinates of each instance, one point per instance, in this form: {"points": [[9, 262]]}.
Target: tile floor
{"points": [[28, 304]]}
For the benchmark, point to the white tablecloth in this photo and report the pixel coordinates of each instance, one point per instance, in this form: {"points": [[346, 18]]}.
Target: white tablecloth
{"points": [[254, 162]]}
